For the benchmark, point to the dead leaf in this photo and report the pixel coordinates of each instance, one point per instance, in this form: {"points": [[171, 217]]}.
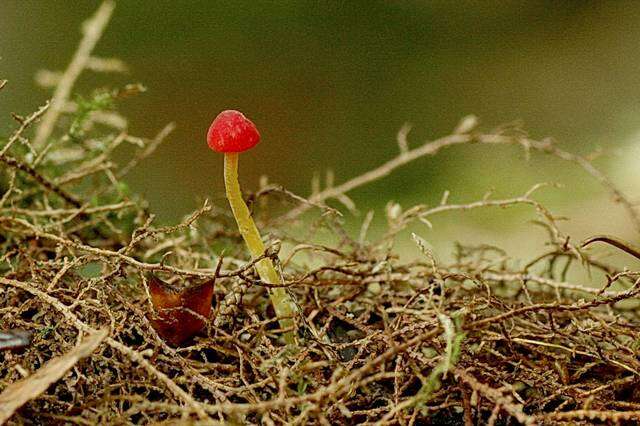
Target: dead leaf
{"points": [[180, 314], [18, 393]]}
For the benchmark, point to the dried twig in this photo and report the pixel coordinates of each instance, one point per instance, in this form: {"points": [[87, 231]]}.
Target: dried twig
{"points": [[93, 30]]}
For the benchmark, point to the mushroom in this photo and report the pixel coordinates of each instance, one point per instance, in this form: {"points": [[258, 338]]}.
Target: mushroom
{"points": [[231, 133]]}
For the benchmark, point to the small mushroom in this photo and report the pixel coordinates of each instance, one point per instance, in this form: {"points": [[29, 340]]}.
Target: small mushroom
{"points": [[231, 133], [179, 313]]}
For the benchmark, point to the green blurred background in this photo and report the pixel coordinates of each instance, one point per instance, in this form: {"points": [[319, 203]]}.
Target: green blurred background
{"points": [[330, 83]]}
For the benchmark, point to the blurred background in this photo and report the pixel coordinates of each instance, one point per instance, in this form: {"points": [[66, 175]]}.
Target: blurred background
{"points": [[330, 83]]}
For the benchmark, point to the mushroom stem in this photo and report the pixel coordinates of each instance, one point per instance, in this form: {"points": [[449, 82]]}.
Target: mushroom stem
{"points": [[282, 302]]}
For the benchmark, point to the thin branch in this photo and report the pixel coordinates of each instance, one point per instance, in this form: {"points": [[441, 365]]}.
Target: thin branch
{"points": [[430, 148], [35, 175], [148, 150], [93, 30], [23, 126]]}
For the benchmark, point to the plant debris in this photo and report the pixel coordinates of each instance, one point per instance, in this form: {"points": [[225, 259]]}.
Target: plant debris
{"points": [[17, 393]]}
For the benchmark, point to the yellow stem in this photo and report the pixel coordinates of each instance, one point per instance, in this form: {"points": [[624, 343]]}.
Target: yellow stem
{"points": [[282, 302]]}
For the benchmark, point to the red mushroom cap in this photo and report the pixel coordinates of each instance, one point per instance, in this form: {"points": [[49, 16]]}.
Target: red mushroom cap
{"points": [[231, 131]]}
